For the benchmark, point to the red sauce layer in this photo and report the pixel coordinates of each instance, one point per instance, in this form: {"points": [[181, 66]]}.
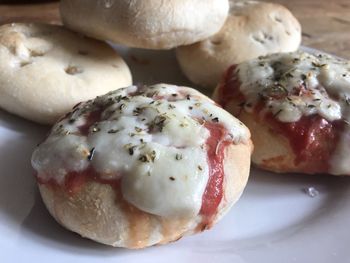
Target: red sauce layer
{"points": [[213, 193], [92, 118], [74, 181], [312, 138], [230, 87]]}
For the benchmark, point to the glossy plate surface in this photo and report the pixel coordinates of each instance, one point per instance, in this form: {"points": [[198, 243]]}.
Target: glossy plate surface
{"points": [[276, 220]]}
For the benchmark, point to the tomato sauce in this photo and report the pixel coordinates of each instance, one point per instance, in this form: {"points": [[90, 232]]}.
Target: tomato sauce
{"points": [[74, 181], [230, 88], [93, 117], [213, 193], [313, 139]]}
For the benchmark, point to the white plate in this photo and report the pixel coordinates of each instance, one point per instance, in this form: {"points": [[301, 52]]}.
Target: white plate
{"points": [[274, 221]]}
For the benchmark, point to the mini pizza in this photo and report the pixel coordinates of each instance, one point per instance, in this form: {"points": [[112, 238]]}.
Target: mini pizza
{"points": [[297, 107], [141, 166]]}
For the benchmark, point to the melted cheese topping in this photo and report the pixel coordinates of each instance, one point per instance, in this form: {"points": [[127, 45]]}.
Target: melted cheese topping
{"points": [[299, 84], [152, 138]]}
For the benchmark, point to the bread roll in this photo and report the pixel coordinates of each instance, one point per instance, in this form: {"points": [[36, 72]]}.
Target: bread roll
{"points": [[143, 165], [151, 24], [252, 29], [45, 70]]}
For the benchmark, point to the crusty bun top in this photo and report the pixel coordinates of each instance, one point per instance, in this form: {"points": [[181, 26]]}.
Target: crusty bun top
{"points": [[154, 140], [45, 70], [154, 24], [261, 28], [299, 89], [252, 29]]}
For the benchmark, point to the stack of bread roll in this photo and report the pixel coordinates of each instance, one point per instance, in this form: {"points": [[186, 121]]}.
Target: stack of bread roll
{"points": [[143, 165], [208, 36]]}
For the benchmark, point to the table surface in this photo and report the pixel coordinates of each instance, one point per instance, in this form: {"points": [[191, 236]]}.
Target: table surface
{"points": [[326, 24]]}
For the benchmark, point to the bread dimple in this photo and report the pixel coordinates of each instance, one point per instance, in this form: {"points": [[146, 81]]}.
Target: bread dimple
{"points": [[151, 24], [47, 69], [252, 29]]}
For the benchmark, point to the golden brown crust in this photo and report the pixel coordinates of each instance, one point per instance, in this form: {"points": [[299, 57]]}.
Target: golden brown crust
{"points": [[98, 212]]}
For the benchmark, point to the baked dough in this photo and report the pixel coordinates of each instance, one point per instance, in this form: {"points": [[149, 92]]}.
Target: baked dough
{"points": [[143, 165], [151, 24], [252, 29], [297, 108], [45, 70]]}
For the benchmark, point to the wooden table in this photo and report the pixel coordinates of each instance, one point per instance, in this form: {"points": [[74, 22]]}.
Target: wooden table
{"points": [[326, 23]]}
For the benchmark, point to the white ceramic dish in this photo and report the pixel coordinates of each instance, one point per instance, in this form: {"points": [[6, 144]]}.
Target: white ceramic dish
{"points": [[274, 221]]}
